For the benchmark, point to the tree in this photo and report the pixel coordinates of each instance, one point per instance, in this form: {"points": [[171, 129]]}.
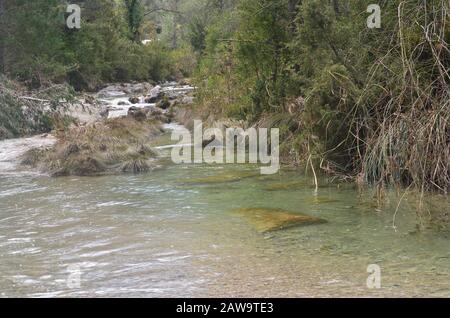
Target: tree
{"points": [[135, 18], [2, 36]]}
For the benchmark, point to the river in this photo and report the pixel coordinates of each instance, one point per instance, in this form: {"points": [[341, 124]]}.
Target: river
{"points": [[163, 234]]}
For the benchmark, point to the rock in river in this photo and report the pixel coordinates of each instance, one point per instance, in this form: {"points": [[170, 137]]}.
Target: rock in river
{"points": [[164, 103], [134, 100], [224, 177], [266, 220]]}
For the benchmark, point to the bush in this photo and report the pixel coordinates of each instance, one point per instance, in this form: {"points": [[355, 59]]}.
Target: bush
{"points": [[40, 49]]}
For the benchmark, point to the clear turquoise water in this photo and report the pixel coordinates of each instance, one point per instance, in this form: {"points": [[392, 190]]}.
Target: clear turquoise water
{"points": [[159, 235]]}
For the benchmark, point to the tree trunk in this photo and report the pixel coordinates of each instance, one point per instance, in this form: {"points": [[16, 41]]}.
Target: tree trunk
{"points": [[175, 24], [292, 7], [134, 18], [336, 7], [2, 36], [292, 10]]}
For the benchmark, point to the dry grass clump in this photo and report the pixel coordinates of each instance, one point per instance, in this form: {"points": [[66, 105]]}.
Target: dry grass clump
{"points": [[405, 132], [116, 145]]}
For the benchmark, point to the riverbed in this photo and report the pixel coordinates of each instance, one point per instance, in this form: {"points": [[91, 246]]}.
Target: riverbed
{"points": [[172, 233]]}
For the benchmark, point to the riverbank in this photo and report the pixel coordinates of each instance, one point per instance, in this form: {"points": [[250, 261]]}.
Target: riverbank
{"points": [[120, 130], [201, 230], [114, 134]]}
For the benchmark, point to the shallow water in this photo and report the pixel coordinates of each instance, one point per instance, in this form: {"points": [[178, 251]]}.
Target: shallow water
{"points": [[12, 149], [157, 234]]}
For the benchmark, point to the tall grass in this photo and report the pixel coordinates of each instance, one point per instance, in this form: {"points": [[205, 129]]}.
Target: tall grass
{"points": [[403, 135]]}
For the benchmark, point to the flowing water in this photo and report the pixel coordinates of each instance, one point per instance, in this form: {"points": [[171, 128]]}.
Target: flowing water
{"points": [[163, 235], [172, 233]]}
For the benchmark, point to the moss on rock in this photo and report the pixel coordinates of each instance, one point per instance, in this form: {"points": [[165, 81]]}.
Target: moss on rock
{"points": [[267, 220]]}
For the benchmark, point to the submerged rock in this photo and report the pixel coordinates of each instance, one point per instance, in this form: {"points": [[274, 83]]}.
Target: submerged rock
{"points": [[154, 95], [295, 185], [224, 177], [267, 220]]}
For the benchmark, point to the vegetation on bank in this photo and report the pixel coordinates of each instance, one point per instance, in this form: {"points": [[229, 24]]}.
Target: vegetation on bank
{"points": [[22, 113], [368, 104], [43, 63], [38, 49], [365, 104]]}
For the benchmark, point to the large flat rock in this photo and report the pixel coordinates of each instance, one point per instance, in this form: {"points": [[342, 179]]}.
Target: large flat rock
{"points": [[267, 220]]}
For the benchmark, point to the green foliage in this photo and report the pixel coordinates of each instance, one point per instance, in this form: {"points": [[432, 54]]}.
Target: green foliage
{"points": [[197, 34], [134, 13], [368, 94], [19, 117], [184, 61], [41, 50], [35, 46]]}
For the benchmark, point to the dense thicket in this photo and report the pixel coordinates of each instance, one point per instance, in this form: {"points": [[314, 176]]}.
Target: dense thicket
{"points": [[37, 48], [368, 102]]}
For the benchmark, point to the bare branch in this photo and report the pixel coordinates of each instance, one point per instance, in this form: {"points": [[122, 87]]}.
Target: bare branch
{"points": [[161, 9]]}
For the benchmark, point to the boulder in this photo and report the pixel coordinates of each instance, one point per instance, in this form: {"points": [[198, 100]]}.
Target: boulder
{"points": [[152, 99], [154, 95], [134, 100], [104, 112], [111, 91], [133, 109], [140, 88], [164, 103], [155, 91]]}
